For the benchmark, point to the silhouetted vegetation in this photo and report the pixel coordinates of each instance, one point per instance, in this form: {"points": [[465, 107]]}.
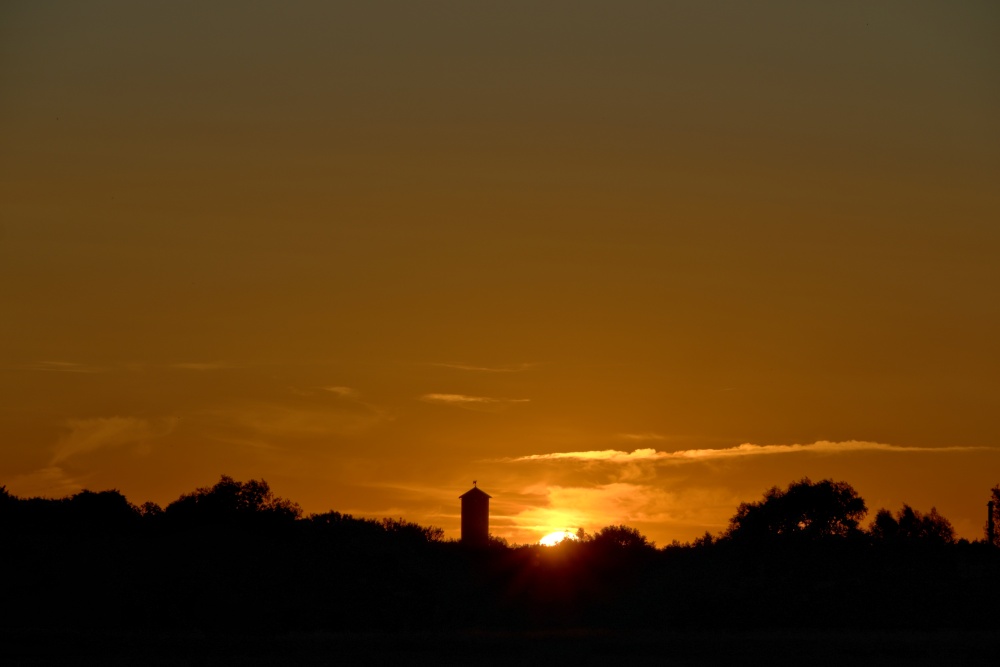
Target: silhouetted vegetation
{"points": [[621, 537], [805, 511], [235, 557], [231, 504], [910, 525], [993, 520]]}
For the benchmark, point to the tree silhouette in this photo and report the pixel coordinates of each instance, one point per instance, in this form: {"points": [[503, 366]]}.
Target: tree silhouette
{"points": [[101, 512], [150, 510], [993, 520], [910, 525], [7, 500], [410, 531], [621, 536], [8, 509], [806, 509], [232, 502]]}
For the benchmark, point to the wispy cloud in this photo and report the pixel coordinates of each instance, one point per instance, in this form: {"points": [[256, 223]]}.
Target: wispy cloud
{"points": [[76, 367], [51, 481], [687, 455], [64, 367], [89, 435], [342, 392], [482, 403], [610, 455], [268, 422], [508, 368], [688, 511], [248, 443], [202, 366], [641, 437]]}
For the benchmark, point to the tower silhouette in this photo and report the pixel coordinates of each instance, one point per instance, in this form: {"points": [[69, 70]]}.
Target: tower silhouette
{"points": [[475, 516]]}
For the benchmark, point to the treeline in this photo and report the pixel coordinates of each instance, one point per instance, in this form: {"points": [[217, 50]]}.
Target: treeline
{"points": [[235, 557]]}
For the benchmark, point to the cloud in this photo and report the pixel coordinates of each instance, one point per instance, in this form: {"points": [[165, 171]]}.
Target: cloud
{"points": [[51, 482], [667, 495], [279, 422], [511, 368], [64, 367], [202, 366], [89, 435], [641, 437], [744, 450], [570, 507], [654, 510], [480, 403], [342, 392], [248, 443], [612, 455]]}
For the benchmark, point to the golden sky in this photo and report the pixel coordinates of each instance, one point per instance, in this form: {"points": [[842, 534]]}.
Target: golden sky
{"points": [[621, 262]]}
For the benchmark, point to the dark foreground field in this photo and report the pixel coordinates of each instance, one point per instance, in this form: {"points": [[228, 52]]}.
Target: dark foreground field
{"points": [[560, 648]]}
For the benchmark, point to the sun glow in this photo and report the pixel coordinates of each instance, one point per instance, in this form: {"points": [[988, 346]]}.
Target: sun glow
{"points": [[555, 538]]}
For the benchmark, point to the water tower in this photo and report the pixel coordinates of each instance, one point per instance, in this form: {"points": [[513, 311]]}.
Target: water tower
{"points": [[475, 517]]}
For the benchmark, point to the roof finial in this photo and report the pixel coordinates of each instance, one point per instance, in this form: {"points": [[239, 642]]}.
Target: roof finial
{"points": [[473, 482]]}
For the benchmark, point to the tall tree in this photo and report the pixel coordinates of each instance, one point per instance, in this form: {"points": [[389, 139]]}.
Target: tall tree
{"points": [[805, 509]]}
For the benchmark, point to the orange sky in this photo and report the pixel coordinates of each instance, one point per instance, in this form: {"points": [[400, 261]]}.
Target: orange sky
{"points": [[373, 251]]}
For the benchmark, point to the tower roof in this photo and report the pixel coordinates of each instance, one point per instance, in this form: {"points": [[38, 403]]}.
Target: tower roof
{"points": [[475, 491]]}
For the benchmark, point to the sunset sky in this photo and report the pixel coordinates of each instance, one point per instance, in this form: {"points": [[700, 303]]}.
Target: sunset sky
{"points": [[621, 262]]}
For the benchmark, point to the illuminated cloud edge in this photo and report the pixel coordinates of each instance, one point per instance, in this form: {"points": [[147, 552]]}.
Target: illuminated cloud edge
{"points": [[470, 402], [746, 449]]}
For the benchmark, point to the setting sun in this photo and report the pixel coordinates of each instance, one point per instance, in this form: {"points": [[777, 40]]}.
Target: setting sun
{"points": [[555, 538]]}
